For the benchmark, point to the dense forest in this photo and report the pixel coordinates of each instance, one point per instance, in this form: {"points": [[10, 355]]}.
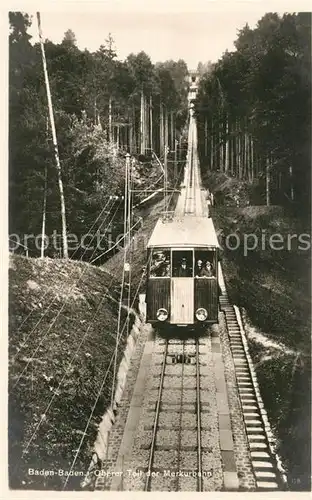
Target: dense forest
{"points": [[103, 108], [254, 111]]}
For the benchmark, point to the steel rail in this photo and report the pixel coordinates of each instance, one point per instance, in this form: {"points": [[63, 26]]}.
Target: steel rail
{"points": [[198, 411], [147, 484], [181, 413]]}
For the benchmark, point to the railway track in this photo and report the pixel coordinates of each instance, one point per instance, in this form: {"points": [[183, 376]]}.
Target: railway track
{"points": [[188, 354]]}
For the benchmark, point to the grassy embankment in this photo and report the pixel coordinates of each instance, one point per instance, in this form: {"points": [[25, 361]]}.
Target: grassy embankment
{"points": [[273, 288], [62, 331]]}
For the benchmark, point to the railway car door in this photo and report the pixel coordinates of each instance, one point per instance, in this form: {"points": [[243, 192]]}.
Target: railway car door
{"points": [[206, 283], [182, 287]]}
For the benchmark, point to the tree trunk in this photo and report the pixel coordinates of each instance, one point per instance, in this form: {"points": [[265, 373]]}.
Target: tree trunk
{"points": [[151, 123], [161, 130], [118, 136], [227, 146], [267, 181], [292, 194], [145, 127], [142, 125], [55, 144], [220, 141], [211, 146], [166, 127], [206, 137], [171, 131], [251, 156]]}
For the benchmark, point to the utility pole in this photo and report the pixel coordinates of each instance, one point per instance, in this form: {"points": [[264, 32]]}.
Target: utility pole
{"points": [[127, 236], [54, 139]]}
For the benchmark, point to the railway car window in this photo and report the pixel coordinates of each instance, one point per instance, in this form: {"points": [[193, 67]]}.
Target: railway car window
{"points": [[182, 262], [205, 264], [160, 264]]}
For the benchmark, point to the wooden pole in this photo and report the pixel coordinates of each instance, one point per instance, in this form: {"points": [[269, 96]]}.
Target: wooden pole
{"points": [[54, 139]]}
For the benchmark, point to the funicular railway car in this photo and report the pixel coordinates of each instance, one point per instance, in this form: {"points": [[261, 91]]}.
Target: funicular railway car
{"points": [[182, 273]]}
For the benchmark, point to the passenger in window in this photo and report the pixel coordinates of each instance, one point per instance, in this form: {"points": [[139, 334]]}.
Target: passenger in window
{"points": [[158, 265], [184, 271], [207, 271], [166, 270], [198, 268]]}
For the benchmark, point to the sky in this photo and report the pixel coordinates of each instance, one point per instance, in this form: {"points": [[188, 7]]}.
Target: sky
{"points": [[192, 30]]}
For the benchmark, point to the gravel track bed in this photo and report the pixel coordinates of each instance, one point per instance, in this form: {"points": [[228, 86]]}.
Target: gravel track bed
{"points": [[167, 439], [187, 483], [188, 370], [210, 439], [133, 483], [152, 396], [172, 382], [189, 421], [139, 458], [189, 383], [154, 371], [209, 422], [157, 359], [162, 483], [208, 398], [170, 420], [205, 369], [206, 384], [187, 407], [148, 419], [188, 460], [165, 459], [172, 396], [212, 462], [188, 396], [188, 439]]}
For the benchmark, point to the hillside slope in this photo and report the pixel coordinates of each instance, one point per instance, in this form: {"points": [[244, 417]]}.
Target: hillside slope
{"points": [[62, 335], [272, 286]]}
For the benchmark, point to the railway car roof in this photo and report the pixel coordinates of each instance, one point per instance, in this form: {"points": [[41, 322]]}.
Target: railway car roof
{"points": [[188, 231]]}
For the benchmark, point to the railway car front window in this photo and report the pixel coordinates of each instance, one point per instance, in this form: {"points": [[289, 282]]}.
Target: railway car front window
{"points": [[182, 264], [205, 264], [160, 264]]}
